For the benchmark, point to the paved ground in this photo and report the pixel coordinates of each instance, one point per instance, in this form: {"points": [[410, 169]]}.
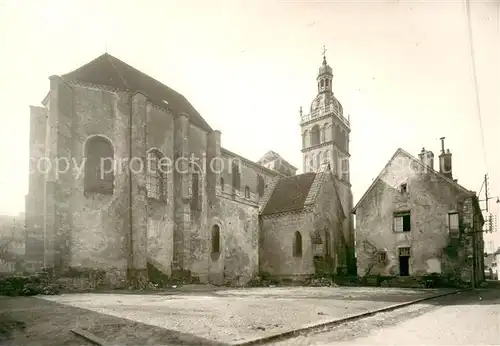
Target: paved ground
{"points": [[470, 318], [233, 316], [28, 321]]}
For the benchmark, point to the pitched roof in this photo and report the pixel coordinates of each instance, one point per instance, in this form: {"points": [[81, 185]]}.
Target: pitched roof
{"points": [[289, 194], [419, 162], [272, 155], [110, 71]]}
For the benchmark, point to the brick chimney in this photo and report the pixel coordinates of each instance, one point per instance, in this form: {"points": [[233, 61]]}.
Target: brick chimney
{"points": [[445, 167], [427, 158]]}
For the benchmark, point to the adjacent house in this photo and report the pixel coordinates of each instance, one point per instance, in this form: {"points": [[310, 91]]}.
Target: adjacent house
{"points": [[414, 220]]}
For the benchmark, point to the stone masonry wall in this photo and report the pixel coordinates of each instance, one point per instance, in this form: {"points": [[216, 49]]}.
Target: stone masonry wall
{"points": [[160, 137], [35, 197], [101, 223], [276, 244]]}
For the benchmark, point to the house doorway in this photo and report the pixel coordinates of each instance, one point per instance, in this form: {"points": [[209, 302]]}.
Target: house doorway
{"points": [[404, 261]]}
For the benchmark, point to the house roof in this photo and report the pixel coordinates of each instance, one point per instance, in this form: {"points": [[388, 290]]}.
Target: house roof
{"points": [[290, 194], [417, 161], [110, 71], [272, 155]]}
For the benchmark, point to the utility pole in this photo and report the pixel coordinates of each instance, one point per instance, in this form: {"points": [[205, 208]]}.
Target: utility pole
{"points": [[474, 256], [486, 190]]}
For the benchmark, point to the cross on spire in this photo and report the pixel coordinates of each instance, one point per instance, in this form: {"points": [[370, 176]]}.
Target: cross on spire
{"points": [[324, 52]]}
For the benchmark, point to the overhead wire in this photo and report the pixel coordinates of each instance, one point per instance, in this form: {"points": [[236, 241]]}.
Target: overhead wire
{"points": [[474, 76]]}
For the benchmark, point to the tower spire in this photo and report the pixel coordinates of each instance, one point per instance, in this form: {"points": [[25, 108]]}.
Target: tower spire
{"points": [[324, 55]]}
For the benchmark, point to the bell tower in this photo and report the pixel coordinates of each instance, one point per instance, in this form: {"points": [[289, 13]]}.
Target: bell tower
{"points": [[325, 139], [325, 130]]}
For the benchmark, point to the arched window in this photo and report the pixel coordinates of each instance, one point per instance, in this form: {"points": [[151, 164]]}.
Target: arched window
{"points": [[156, 186], [99, 166], [215, 239], [260, 185], [195, 191], [315, 135], [236, 176], [222, 184], [297, 246], [247, 192]]}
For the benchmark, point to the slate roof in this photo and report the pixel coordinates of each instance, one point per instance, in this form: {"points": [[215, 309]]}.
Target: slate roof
{"points": [[110, 71], [419, 162], [289, 194]]}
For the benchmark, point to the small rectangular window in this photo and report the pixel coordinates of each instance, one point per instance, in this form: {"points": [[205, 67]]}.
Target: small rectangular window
{"points": [[381, 257], [404, 188], [453, 221], [402, 222]]}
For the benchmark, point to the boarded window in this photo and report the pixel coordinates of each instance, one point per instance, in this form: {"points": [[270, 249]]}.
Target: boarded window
{"points": [[402, 222], [297, 246], [99, 166], [156, 184], [216, 239]]}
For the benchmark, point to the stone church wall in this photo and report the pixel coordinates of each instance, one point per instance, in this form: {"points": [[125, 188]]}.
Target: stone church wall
{"points": [[276, 245], [100, 223]]}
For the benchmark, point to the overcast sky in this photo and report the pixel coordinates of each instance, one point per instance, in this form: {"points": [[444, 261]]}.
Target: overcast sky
{"points": [[402, 71]]}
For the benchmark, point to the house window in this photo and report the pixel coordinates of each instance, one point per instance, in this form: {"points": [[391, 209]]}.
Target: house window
{"points": [[403, 188], [155, 178], [215, 239], [247, 192], [402, 222], [222, 184], [236, 176], [382, 257], [453, 222], [99, 170], [297, 246]]}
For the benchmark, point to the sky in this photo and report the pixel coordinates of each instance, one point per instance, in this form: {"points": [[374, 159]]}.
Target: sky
{"points": [[402, 71]]}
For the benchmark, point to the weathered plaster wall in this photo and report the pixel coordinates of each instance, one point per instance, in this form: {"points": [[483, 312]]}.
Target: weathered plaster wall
{"points": [[100, 232], [239, 229], [276, 244], [329, 219], [160, 136], [429, 200], [35, 197]]}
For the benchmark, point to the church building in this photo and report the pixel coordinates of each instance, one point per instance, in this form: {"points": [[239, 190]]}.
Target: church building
{"points": [[127, 177]]}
